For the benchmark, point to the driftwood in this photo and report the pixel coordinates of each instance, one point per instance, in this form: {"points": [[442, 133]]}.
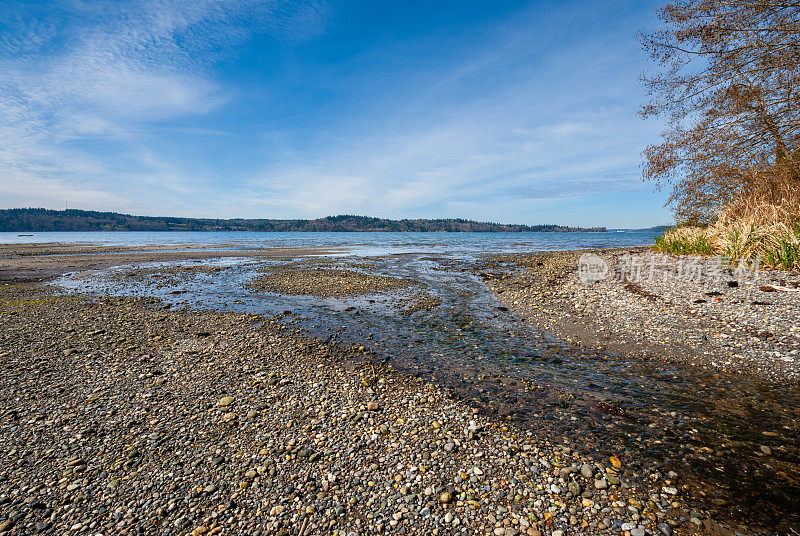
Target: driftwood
{"points": [[773, 288]]}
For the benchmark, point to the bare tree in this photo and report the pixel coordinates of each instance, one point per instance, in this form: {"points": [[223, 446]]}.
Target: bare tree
{"points": [[729, 89]]}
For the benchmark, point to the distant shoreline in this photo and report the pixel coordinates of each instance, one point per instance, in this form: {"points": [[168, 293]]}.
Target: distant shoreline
{"points": [[27, 220]]}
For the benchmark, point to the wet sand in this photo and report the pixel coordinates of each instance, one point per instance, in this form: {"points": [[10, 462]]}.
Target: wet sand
{"points": [[21, 263]]}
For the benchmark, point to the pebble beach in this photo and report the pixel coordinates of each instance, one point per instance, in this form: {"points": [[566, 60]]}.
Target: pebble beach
{"points": [[120, 418], [121, 415]]}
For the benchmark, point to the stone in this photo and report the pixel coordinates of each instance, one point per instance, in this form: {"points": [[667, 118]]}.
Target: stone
{"points": [[225, 401], [446, 497], [615, 462], [601, 484], [665, 529], [372, 406], [587, 471]]}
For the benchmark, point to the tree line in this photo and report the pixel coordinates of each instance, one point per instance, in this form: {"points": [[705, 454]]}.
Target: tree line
{"points": [[44, 220]]}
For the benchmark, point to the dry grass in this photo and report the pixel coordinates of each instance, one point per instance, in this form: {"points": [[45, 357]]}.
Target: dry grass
{"points": [[763, 223]]}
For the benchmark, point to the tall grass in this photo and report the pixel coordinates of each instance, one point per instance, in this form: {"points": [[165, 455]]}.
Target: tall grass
{"points": [[762, 223]]}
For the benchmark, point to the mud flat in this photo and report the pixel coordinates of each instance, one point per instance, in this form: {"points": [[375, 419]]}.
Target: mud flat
{"points": [[24, 263], [325, 282]]}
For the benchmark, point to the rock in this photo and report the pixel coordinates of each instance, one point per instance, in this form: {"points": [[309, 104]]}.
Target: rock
{"points": [[669, 490], [7, 525], [448, 518], [446, 497], [558, 533], [473, 429], [587, 471], [615, 462], [601, 483], [225, 401], [766, 450], [372, 406], [665, 529], [637, 531]]}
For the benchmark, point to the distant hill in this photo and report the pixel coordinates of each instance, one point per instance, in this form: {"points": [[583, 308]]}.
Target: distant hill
{"points": [[43, 220]]}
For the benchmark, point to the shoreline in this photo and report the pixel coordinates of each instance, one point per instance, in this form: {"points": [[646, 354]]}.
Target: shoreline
{"points": [[746, 323], [227, 333]]}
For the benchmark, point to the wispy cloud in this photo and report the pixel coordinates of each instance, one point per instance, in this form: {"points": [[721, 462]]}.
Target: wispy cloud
{"points": [[105, 72], [499, 149]]}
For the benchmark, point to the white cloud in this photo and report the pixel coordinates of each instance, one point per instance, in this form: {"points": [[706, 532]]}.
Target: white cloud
{"points": [[105, 72]]}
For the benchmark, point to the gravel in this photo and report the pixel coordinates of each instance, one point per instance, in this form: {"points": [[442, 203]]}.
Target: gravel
{"points": [[690, 309], [119, 417]]}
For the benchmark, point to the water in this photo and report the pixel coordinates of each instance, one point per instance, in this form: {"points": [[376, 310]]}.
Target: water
{"points": [[359, 243]]}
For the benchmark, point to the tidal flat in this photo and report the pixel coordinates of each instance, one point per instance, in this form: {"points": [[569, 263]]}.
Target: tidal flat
{"points": [[168, 396]]}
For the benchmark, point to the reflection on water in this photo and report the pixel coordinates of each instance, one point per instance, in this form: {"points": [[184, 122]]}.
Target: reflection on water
{"points": [[715, 423]]}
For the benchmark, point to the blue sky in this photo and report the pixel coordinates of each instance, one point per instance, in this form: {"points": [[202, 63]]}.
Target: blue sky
{"points": [[518, 112]]}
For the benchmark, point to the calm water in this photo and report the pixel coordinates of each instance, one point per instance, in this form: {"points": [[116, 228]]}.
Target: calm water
{"points": [[361, 243]]}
